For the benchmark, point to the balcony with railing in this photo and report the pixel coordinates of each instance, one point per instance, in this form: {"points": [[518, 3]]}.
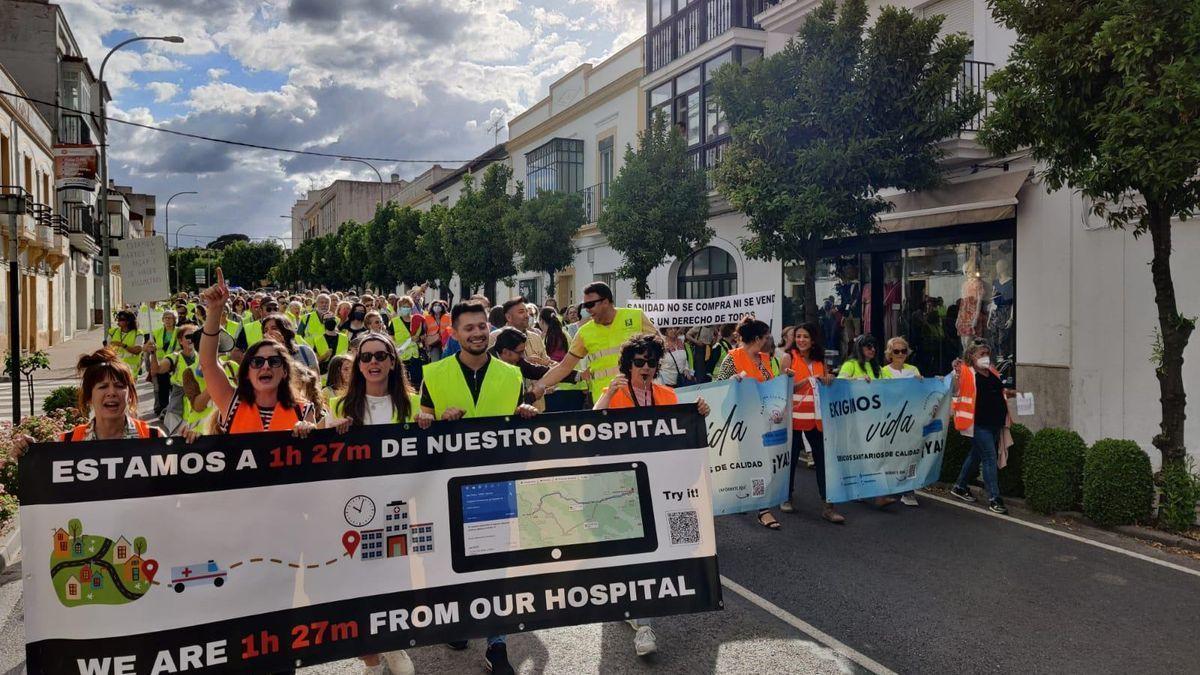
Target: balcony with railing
{"points": [[694, 24], [593, 201]]}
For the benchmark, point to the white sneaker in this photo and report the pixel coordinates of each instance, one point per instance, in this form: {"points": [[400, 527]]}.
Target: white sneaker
{"points": [[909, 499], [399, 663], [644, 643]]}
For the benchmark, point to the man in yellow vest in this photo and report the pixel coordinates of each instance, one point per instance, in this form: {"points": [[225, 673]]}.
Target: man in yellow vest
{"points": [[600, 339], [473, 384]]}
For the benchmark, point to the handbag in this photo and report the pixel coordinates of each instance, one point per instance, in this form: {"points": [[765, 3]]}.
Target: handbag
{"points": [[681, 380]]}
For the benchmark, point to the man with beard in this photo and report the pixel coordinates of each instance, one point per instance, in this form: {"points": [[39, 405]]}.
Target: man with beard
{"points": [[473, 384]]}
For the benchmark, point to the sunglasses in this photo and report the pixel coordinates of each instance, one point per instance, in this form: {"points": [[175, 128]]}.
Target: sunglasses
{"points": [[260, 361], [898, 352], [642, 363], [367, 357], [592, 303]]}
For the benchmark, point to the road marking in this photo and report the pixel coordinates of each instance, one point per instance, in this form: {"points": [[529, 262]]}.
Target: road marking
{"points": [[805, 627], [1065, 535]]}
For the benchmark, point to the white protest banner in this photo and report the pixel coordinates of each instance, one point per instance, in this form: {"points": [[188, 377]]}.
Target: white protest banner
{"points": [[263, 552], [143, 270], [749, 439], [883, 437], [678, 312]]}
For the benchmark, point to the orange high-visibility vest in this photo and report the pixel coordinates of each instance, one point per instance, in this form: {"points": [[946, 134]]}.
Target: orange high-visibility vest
{"points": [[743, 364], [963, 405], [247, 421], [80, 431], [804, 398], [661, 395]]}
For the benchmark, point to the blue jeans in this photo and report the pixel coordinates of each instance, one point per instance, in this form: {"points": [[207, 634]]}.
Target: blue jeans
{"points": [[983, 451]]}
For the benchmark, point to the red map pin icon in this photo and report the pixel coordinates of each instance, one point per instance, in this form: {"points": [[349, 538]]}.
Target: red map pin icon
{"points": [[350, 541], [149, 569]]}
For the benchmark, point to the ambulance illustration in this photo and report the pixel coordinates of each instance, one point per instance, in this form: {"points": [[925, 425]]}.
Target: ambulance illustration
{"points": [[198, 574]]}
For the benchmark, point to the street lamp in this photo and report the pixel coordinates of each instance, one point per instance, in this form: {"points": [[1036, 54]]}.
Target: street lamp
{"points": [[14, 205], [181, 229], [105, 235], [167, 226], [377, 175]]}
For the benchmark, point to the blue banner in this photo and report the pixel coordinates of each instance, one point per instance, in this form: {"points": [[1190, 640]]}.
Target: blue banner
{"points": [[749, 440], [883, 437]]}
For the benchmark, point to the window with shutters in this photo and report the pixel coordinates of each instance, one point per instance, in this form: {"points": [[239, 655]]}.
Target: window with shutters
{"points": [[959, 17]]}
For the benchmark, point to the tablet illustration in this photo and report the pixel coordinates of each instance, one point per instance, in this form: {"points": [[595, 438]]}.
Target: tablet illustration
{"points": [[550, 515]]}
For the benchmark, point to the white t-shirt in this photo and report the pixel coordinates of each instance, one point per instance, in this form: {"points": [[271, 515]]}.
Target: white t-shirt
{"points": [[900, 374], [379, 410]]}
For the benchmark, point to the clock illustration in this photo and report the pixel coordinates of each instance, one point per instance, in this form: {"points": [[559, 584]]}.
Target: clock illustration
{"points": [[359, 511]]}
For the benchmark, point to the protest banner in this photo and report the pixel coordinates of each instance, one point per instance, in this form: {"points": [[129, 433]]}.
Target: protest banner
{"points": [[749, 441], [680, 312], [883, 437], [263, 552], [143, 270]]}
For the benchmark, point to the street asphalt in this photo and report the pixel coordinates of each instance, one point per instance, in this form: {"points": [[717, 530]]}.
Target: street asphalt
{"points": [[934, 589]]}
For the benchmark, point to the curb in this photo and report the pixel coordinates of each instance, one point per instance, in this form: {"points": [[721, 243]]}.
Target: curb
{"points": [[10, 546], [1134, 531]]}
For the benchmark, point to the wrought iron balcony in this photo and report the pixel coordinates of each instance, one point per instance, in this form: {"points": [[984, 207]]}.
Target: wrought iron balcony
{"points": [[593, 201], [694, 24]]}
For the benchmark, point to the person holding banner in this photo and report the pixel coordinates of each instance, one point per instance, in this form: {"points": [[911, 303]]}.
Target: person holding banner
{"points": [[751, 359], [981, 414], [600, 339], [863, 364], [896, 352], [107, 391], [641, 356], [804, 358], [264, 399], [378, 393], [473, 384]]}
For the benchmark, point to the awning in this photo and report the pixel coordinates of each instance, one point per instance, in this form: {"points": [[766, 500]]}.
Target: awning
{"points": [[974, 201]]}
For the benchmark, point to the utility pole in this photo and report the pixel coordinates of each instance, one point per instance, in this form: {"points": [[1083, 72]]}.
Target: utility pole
{"points": [[15, 205]]}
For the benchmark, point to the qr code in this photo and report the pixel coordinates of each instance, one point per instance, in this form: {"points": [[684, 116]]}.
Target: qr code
{"points": [[912, 470], [685, 527], [758, 487]]}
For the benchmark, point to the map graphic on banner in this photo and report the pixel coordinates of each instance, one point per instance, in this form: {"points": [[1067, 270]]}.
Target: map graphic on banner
{"points": [[749, 451], [883, 437], [683, 312], [263, 552]]}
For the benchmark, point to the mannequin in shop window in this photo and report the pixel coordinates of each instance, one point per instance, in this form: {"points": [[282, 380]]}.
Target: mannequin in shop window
{"points": [[891, 299], [849, 295], [1002, 314], [972, 318]]}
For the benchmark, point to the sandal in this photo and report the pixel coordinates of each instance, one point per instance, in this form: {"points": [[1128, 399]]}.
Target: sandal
{"points": [[770, 524]]}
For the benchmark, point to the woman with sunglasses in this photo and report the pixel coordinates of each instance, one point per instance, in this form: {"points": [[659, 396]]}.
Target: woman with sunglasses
{"points": [[378, 393], [264, 398], [896, 351], [635, 387], [751, 359]]}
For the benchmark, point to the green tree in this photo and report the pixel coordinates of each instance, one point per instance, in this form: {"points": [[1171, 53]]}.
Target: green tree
{"points": [[139, 545], [431, 251], [248, 263], [544, 228], [657, 206], [354, 251], [182, 264], [477, 242], [1104, 94], [24, 367], [401, 250], [841, 112], [75, 528], [221, 242]]}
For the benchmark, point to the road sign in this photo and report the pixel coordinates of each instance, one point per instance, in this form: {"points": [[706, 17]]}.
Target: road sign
{"points": [[201, 276]]}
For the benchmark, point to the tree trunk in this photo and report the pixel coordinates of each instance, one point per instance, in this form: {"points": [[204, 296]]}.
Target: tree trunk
{"points": [[810, 284], [550, 286], [1175, 331], [641, 287], [489, 289]]}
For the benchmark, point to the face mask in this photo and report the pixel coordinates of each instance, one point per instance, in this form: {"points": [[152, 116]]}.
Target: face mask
{"points": [[357, 316], [984, 362], [585, 315], [405, 312]]}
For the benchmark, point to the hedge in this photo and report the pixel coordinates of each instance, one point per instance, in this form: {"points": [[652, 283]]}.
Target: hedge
{"points": [[1012, 482], [61, 398], [1053, 470], [1180, 493], [1118, 483]]}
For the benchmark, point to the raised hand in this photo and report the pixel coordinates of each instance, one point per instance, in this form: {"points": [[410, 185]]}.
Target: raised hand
{"points": [[214, 297]]}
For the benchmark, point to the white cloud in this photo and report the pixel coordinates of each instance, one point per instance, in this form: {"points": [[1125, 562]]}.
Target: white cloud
{"points": [[217, 73], [163, 91]]}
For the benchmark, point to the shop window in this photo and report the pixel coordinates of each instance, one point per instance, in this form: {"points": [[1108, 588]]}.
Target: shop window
{"points": [[707, 273]]}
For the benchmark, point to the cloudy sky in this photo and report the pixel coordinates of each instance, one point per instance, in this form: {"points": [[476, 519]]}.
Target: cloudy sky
{"points": [[403, 79]]}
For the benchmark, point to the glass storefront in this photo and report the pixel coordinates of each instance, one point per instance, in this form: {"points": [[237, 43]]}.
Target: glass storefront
{"points": [[937, 293]]}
